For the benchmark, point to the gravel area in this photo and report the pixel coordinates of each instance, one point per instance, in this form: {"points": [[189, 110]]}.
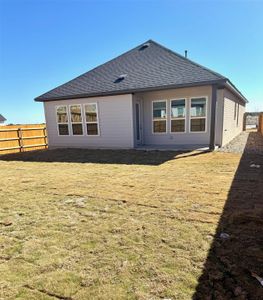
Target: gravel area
{"points": [[245, 142]]}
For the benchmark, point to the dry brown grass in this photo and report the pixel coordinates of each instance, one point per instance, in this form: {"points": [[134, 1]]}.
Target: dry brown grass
{"points": [[109, 229]]}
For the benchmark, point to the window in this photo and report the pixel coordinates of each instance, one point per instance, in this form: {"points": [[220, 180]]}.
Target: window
{"points": [[62, 120], [91, 115], [76, 119], [159, 116], [235, 111], [178, 115], [198, 114]]}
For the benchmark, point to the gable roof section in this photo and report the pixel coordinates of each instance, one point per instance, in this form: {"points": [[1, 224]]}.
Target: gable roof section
{"points": [[2, 118], [149, 66]]}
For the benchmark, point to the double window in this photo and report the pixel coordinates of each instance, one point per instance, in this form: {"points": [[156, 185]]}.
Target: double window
{"points": [[62, 120], [76, 119], [159, 116], [91, 115], [198, 114], [178, 115]]}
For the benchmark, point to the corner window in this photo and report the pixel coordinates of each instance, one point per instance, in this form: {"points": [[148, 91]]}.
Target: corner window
{"points": [[159, 116], [198, 115], [178, 115], [76, 119], [62, 120], [91, 115]]}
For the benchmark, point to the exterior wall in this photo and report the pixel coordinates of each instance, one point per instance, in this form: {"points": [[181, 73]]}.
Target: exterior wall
{"points": [[219, 117], [115, 123], [188, 138], [231, 126], [117, 120]]}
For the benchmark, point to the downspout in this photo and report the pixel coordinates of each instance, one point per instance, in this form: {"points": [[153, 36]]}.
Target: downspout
{"points": [[213, 118]]}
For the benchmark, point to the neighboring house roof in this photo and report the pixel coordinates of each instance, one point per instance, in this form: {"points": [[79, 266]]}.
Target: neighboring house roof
{"points": [[2, 119], [149, 66]]}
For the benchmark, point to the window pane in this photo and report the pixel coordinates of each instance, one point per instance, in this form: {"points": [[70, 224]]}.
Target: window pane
{"points": [[62, 116], [91, 112], [77, 129], [92, 129], [75, 111], [177, 125], [178, 108], [159, 126], [159, 109], [198, 125], [63, 129], [198, 107]]}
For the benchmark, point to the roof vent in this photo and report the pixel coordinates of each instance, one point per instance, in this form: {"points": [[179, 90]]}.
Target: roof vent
{"points": [[121, 78], [144, 46]]}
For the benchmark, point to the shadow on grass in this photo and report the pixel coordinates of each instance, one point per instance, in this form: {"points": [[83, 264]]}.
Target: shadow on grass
{"points": [[227, 270], [129, 157]]}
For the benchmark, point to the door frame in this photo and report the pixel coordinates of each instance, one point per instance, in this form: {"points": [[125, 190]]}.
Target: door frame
{"points": [[138, 122]]}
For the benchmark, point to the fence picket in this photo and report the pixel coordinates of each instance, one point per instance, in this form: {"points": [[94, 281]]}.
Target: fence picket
{"points": [[22, 138]]}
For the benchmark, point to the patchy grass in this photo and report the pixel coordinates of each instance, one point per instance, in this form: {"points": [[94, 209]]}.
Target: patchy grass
{"points": [[119, 226]]}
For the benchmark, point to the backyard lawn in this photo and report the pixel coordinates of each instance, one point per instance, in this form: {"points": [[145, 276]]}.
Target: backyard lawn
{"points": [[79, 224]]}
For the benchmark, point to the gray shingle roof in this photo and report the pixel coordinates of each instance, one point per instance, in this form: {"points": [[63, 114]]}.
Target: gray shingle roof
{"points": [[146, 68], [2, 118]]}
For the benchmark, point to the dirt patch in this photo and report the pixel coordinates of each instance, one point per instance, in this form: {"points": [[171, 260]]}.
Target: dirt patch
{"points": [[130, 225]]}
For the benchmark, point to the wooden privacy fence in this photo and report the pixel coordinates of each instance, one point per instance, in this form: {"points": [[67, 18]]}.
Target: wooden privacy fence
{"points": [[20, 138], [260, 123]]}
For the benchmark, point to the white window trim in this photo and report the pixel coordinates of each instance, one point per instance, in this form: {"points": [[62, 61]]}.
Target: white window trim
{"points": [[206, 110], [180, 118], [68, 123], [85, 121], [160, 119], [71, 123]]}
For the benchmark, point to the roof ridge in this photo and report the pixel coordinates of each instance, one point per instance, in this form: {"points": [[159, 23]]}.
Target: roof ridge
{"points": [[188, 60]]}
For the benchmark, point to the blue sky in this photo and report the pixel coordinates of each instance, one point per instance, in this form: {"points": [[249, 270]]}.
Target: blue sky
{"points": [[46, 43]]}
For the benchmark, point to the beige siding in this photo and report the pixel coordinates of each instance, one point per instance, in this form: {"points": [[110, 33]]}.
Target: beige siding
{"points": [[219, 117], [117, 120], [115, 123], [232, 125], [187, 138]]}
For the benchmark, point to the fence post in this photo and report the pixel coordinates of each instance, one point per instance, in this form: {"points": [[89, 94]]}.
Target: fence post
{"points": [[45, 138], [20, 139]]}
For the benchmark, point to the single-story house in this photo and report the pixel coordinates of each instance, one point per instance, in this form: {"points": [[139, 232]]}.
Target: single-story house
{"points": [[2, 119], [148, 96]]}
